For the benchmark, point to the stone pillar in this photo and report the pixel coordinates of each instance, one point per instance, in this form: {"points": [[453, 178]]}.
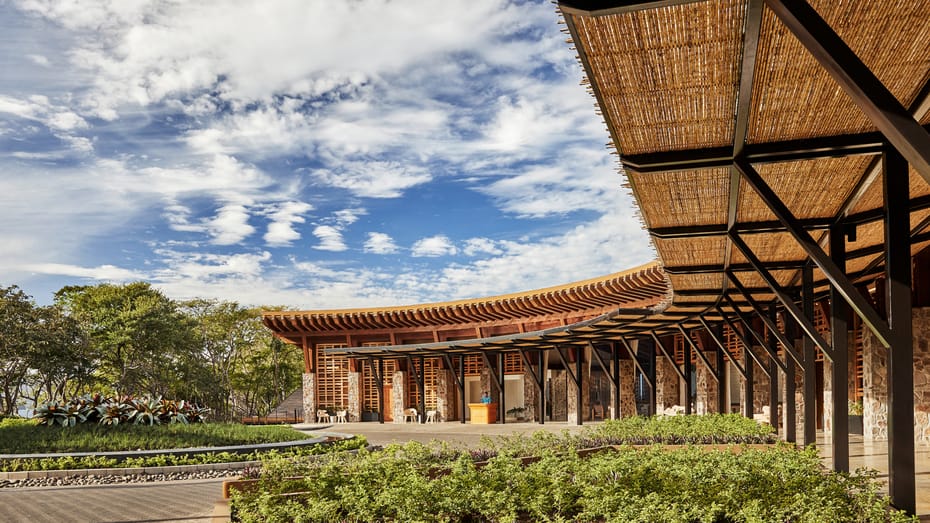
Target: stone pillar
{"points": [[355, 397], [446, 395], [530, 397], [489, 385], [707, 387], [760, 387], [874, 388], [398, 395], [922, 375], [572, 396], [309, 401], [799, 400], [627, 389], [668, 393], [827, 399], [559, 395]]}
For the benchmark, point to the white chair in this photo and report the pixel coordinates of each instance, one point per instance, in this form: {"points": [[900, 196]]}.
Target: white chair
{"points": [[431, 416], [410, 413], [322, 416], [342, 416]]}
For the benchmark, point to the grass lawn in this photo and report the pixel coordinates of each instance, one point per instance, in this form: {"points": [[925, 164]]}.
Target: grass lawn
{"points": [[24, 436]]}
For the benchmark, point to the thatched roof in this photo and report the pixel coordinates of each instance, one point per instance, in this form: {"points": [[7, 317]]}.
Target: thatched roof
{"points": [[687, 86]]}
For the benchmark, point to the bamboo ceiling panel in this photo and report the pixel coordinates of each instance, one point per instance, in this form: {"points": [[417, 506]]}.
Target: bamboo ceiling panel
{"points": [[810, 188], [667, 77], [681, 282], [674, 199], [793, 96], [753, 280], [770, 247], [872, 198], [676, 252]]}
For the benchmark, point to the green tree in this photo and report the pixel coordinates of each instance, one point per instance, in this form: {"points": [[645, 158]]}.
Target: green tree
{"points": [[225, 331], [63, 361], [17, 334], [265, 374], [138, 333]]}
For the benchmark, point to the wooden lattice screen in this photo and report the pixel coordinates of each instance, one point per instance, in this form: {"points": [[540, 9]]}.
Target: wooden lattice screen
{"points": [[473, 365], [370, 384], [513, 363], [332, 378], [431, 367]]}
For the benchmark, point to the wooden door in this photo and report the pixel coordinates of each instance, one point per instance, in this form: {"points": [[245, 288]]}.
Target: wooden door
{"points": [[388, 403]]}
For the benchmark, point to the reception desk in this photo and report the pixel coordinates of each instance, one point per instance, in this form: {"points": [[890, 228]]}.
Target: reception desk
{"points": [[483, 413]]}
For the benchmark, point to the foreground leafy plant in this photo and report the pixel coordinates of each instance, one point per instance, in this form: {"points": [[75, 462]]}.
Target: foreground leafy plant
{"points": [[627, 484], [95, 408]]}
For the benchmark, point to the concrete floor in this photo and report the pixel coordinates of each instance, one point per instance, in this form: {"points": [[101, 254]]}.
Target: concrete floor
{"points": [[875, 456]]}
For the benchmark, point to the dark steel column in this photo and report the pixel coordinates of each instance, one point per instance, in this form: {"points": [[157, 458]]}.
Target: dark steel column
{"points": [[651, 377], [579, 383], [839, 331], [462, 385], [421, 385], [810, 356], [723, 403], [381, 391], [687, 372], [615, 353], [501, 409], [791, 405], [773, 372], [543, 389], [901, 483], [748, 401]]}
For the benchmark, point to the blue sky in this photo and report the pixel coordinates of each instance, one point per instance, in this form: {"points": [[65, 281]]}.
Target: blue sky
{"points": [[304, 153]]}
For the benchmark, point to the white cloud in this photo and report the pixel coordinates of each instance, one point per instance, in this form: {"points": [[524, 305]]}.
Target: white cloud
{"points": [[433, 246], [60, 120], [102, 272], [373, 179], [380, 243], [347, 217], [39, 59], [330, 238], [230, 225], [475, 246], [281, 230]]}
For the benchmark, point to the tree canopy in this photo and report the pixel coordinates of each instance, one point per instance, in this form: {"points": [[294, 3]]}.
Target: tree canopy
{"points": [[131, 339]]}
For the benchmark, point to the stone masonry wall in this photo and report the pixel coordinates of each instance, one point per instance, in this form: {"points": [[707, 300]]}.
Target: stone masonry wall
{"points": [[922, 375], [874, 388], [667, 391], [398, 395], [309, 387], [355, 396], [875, 382], [446, 395], [558, 396], [627, 389], [707, 387], [572, 396], [530, 397]]}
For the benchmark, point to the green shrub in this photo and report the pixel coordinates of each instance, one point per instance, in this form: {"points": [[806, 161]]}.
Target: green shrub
{"points": [[640, 485], [438, 482]]}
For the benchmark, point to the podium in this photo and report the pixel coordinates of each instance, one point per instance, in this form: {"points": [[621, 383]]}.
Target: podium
{"points": [[483, 413]]}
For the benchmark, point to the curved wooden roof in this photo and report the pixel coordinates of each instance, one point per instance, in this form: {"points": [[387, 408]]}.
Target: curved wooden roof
{"points": [[643, 286]]}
